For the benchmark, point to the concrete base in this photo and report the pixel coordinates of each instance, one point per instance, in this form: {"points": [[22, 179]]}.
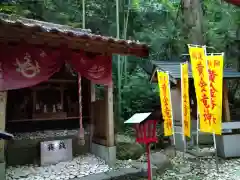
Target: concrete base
{"points": [[178, 138], [3, 171], [204, 138], [227, 145], [106, 153], [30, 149]]}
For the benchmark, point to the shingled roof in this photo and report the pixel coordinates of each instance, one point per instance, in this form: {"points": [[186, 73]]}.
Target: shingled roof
{"points": [[18, 29], [174, 70]]}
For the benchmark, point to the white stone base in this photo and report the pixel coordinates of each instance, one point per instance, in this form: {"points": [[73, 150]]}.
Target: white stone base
{"points": [[204, 138], [106, 153]]}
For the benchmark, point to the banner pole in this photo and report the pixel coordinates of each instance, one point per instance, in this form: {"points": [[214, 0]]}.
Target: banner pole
{"points": [[173, 130], [197, 139], [183, 129], [215, 148], [214, 135], [149, 161]]}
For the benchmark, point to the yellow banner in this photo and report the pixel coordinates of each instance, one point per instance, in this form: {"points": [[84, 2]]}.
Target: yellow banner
{"points": [[186, 116], [166, 104], [201, 82], [215, 71]]}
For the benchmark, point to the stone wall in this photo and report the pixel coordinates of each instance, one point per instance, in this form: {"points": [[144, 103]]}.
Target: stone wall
{"points": [[27, 151]]}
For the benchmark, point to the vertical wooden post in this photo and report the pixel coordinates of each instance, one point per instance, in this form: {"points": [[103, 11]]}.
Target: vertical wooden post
{"points": [[108, 96], [93, 92], [226, 110], [3, 102]]}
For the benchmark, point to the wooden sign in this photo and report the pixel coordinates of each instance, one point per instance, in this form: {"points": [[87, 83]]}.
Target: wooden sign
{"points": [[53, 152]]}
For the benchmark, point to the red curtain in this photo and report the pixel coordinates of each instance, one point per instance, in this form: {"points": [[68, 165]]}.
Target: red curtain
{"points": [[24, 66], [234, 2], [96, 68]]}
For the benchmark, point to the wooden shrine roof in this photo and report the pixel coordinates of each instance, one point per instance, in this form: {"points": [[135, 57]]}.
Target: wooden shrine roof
{"points": [[174, 70], [17, 29]]}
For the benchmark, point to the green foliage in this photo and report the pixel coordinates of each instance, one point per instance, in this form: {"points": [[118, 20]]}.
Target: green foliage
{"points": [[129, 150], [156, 22], [138, 95]]}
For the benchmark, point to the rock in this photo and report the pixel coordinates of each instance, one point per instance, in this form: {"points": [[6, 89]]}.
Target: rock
{"points": [[144, 168], [170, 151], [161, 161], [127, 151]]}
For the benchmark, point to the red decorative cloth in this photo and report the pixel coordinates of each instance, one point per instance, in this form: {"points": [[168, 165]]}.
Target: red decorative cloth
{"points": [[24, 65], [234, 2], [96, 68]]}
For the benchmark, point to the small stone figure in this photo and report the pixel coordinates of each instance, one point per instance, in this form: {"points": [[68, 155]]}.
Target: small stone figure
{"points": [[54, 108], [45, 108], [59, 107], [37, 107]]}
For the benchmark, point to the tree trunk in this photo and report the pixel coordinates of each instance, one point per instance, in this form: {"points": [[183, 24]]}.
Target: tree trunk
{"points": [[192, 21], [238, 44]]}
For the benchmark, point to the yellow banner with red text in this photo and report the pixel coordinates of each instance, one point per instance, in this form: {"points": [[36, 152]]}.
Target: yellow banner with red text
{"points": [[186, 116], [201, 82], [215, 71], [166, 104]]}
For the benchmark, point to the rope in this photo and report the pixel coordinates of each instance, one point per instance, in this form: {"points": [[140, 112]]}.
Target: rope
{"points": [[80, 100]]}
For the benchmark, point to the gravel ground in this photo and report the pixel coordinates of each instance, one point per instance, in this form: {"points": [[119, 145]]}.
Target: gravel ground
{"points": [[190, 168], [78, 167], [187, 168]]}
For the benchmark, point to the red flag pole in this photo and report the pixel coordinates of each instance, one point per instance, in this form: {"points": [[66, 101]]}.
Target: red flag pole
{"points": [[149, 162]]}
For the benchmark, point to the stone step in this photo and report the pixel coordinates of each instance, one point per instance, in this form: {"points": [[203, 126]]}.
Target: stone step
{"points": [[124, 173]]}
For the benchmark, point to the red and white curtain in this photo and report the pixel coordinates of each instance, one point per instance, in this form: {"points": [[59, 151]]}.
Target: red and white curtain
{"points": [[24, 65]]}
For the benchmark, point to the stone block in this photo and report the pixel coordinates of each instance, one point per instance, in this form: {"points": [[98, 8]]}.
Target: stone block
{"points": [[29, 155], [104, 152], [2, 170], [142, 166], [30, 149], [100, 176], [123, 173], [161, 161]]}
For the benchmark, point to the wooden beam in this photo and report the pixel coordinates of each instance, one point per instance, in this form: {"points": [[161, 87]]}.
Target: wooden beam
{"points": [[108, 97], [226, 110], [3, 103], [93, 92]]}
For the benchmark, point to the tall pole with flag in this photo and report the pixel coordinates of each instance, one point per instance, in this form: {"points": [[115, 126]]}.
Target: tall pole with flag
{"points": [[166, 104]]}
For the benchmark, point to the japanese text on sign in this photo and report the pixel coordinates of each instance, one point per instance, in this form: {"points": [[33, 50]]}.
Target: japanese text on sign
{"points": [[166, 105], [186, 116], [56, 151], [201, 83], [215, 71]]}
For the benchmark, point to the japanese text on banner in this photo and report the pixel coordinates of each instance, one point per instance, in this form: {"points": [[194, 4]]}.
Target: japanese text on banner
{"points": [[186, 116], [201, 83], [166, 104], [215, 71]]}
